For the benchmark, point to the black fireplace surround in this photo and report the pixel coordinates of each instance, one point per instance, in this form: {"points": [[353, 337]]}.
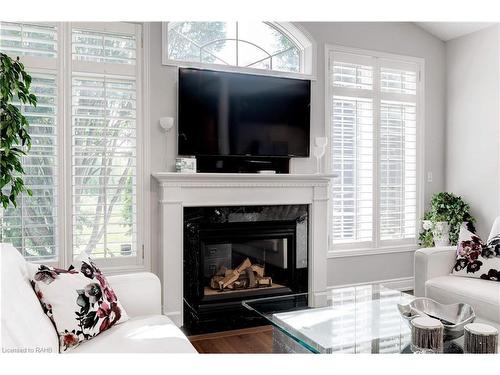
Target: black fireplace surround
{"points": [[273, 238]]}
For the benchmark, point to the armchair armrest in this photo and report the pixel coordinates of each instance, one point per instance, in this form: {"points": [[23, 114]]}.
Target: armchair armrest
{"points": [[139, 293], [430, 263]]}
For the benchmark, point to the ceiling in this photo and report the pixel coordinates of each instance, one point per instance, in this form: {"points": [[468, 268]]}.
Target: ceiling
{"points": [[451, 30]]}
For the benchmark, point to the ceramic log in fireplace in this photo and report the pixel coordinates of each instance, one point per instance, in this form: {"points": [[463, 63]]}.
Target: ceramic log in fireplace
{"points": [[237, 253]]}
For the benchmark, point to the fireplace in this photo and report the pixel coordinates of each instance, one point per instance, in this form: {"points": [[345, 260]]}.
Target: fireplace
{"points": [[237, 253]]}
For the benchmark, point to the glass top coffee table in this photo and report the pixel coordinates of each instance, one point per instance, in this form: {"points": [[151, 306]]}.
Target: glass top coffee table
{"points": [[362, 319]]}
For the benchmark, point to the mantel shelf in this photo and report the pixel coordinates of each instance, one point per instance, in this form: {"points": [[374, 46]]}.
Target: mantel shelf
{"points": [[251, 178]]}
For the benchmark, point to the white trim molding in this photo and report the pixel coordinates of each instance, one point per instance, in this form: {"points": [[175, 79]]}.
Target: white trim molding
{"points": [[179, 190]]}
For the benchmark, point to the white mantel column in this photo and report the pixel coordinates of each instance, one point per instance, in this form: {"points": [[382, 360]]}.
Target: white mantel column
{"points": [[171, 232], [318, 244]]}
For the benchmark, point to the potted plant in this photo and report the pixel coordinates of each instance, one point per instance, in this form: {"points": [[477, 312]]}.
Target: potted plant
{"points": [[15, 140], [441, 224]]}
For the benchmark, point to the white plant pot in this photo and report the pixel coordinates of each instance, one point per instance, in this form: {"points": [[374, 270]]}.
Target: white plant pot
{"points": [[441, 233]]}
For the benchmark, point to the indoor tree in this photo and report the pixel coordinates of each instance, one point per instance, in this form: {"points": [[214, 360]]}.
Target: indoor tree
{"points": [[15, 140]]}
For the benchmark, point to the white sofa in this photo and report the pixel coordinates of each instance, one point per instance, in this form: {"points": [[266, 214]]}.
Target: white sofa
{"points": [[25, 327], [433, 279]]}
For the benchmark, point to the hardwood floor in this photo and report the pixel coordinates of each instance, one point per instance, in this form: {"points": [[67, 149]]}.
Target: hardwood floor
{"points": [[242, 341]]}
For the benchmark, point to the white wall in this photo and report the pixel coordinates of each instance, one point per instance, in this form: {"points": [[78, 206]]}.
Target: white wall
{"points": [[473, 121], [398, 38]]}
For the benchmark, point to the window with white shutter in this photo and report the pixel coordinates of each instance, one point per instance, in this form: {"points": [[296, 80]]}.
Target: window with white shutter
{"points": [[32, 226], [374, 119], [104, 148], [85, 135]]}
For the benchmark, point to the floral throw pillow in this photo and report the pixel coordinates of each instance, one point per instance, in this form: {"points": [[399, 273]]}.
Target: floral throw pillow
{"points": [[79, 301], [476, 259]]}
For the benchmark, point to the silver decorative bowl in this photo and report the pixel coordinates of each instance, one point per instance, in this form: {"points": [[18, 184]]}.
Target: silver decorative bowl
{"points": [[454, 317]]}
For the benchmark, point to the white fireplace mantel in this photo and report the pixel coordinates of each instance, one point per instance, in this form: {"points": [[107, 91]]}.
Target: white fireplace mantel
{"points": [[178, 190]]}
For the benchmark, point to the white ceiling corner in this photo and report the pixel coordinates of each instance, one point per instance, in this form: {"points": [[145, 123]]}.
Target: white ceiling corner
{"points": [[451, 30]]}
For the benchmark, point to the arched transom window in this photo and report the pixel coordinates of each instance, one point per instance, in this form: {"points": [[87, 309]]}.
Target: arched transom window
{"points": [[258, 45]]}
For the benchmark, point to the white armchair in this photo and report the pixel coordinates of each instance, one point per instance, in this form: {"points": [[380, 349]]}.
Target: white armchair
{"points": [[430, 263], [25, 327], [433, 279]]}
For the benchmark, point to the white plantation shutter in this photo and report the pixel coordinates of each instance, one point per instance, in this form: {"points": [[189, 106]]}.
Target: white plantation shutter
{"points": [[373, 128], [398, 167], [104, 156], [398, 81], [354, 76], [23, 39], [97, 46], [352, 150], [32, 226], [104, 163], [352, 157]]}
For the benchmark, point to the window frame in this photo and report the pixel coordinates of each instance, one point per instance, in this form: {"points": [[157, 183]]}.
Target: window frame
{"points": [[52, 65], [296, 33], [76, 67], [62, 65], [377, 246]]}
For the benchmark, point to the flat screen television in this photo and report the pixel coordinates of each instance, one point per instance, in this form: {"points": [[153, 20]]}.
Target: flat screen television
{"points": [[234, 114]]}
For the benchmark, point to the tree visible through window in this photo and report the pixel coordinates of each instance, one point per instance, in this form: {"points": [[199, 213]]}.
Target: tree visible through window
{"points": [[259, 45], [104, 165]]}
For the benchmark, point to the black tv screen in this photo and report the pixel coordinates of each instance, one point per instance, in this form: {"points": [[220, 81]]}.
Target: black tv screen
{"points": [[234, 114]]}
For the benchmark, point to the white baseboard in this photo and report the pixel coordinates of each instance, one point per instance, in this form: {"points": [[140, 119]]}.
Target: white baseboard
{"points": [[402, 284]]}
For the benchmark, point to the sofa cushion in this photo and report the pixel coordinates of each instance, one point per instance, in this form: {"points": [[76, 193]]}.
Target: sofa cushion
{"points": [[475, 259], [79, 301], [482, 295], [21, 311], [142, 334]]}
